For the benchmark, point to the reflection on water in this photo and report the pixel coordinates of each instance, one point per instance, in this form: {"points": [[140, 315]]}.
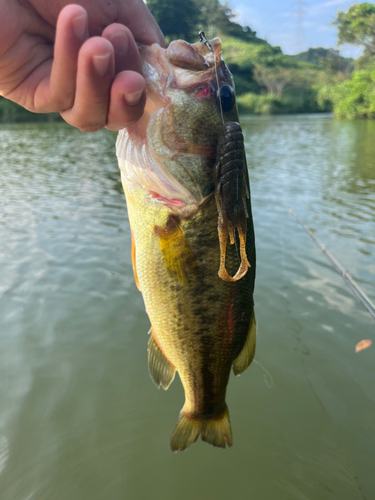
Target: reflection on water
{"points": [[79, 416]]}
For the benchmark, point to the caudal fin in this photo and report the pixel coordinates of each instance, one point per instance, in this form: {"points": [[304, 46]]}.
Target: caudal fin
{"points": [[215, 431]]}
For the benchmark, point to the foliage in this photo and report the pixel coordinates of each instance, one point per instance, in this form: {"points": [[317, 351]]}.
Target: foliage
{"points": [[274, 82], [330, 59], [272, 104], [357, 26], [177, 18], [216, 17], [273, 79], [10, 112], [268, 81], [185, 18], [354, 98]]}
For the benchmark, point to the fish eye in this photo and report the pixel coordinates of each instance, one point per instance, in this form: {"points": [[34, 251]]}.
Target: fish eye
{"points": [[226, 96]]}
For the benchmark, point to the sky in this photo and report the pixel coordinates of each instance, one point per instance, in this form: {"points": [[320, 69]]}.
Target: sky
{"points": [[295, 25]]}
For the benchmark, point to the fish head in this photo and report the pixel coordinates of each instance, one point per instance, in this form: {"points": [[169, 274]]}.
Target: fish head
{"points": [[169, 154]]}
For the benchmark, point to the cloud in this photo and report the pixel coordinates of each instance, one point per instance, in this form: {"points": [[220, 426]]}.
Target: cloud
{"points": [[325, 28], [316, 9], [247, 16], [283, 26], [330, 3]]}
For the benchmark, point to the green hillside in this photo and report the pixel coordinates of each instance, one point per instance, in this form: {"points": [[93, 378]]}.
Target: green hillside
{"points": [[267, 80]]}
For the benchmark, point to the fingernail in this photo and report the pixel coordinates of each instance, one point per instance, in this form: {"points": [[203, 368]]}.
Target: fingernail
{"points": [[120, 43], [101, 63], [134, 97], [79, 26]]}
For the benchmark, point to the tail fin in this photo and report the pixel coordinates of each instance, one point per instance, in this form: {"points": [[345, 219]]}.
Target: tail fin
{"points": [[215, 431]]}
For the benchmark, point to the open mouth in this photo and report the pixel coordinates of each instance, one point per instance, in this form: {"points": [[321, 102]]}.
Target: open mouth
{"points": [[143, 162]]}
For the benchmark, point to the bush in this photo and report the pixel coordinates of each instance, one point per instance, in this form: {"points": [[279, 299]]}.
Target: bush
{"points": [[354, 98], [272, 104]]}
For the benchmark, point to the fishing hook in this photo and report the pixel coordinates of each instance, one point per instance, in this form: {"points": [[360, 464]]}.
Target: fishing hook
{"points": [[204, 39]]}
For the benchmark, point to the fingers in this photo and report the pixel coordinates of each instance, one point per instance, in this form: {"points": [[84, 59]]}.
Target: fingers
{"points": [[83, 70], [128, 90], [128, 97], [95, 75], [56, 91], [126, 52]]}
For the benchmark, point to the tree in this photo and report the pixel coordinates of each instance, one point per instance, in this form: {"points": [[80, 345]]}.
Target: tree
{"points": [[274, 79], [354, 98], [357, 26], [218, 18], [177, 18], [185, 18]]}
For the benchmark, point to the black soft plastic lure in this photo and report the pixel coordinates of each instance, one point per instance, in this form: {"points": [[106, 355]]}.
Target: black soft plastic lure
{"points": [[231, 191]]}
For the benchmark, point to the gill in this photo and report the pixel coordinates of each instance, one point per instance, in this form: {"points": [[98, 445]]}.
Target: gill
{"points": [[210, 47]]}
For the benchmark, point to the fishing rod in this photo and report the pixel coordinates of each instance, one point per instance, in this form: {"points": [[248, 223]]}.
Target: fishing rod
{"points": [[355, 288]]}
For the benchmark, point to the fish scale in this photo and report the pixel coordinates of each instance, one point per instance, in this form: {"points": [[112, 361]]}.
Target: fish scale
{"points": [[201, 325]]}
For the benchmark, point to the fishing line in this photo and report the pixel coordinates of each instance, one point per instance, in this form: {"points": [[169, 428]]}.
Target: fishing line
{"points": [[217, 82], [267, 377], [210, 47], [349, 281]]}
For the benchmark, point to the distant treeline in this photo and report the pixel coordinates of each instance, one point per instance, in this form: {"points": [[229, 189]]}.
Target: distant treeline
{"points": [[268, 81], [10, 112]]}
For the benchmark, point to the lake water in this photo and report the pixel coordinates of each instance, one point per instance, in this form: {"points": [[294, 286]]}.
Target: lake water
{"points": [[80, 419]]}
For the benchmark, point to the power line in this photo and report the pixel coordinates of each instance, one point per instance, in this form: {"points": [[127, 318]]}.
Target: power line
{"points": [[300, 14]]}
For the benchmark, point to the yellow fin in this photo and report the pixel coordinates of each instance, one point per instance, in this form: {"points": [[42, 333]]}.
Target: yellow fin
{"points": [[134, 264], [177, 255], [161, 370], [215, 431], [244, 359]]}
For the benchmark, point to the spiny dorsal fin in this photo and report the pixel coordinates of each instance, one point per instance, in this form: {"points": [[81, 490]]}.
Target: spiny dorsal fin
{"points": [[161, 370], [246, 356]]}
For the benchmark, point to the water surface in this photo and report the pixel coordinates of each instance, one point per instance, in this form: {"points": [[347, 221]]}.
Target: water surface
{"points": [[79, 416]]}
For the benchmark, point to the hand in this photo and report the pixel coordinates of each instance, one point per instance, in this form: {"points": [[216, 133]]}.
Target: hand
{"points": [[49, 63]]}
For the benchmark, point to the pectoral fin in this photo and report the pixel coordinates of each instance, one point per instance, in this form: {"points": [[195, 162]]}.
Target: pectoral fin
{"points": [[134, 264], [161, 369], [244, 359], [177, 255]]}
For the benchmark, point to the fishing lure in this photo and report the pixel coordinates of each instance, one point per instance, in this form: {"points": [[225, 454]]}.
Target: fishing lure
{"points": [[230, 179], [231, 191]]}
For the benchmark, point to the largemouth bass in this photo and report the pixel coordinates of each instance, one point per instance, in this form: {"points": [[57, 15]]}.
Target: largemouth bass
{"points": [[184, 174]]}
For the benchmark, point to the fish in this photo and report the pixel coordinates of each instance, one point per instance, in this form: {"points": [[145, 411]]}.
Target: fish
{"points": [[185, 178]]}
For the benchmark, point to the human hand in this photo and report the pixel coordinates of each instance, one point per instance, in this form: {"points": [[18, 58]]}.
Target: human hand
{"points": [[49, 63]]}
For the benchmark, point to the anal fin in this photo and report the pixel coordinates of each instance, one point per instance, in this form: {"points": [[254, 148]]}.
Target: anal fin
{"points": [[161, 369], [244, 359]]}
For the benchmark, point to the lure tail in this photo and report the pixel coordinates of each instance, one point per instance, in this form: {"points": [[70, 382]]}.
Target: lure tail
{"points": [[231, 191], [215, 431]]}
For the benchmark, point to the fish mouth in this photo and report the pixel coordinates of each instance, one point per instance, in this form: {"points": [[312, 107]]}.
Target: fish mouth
{"points": [[182, 66]]}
